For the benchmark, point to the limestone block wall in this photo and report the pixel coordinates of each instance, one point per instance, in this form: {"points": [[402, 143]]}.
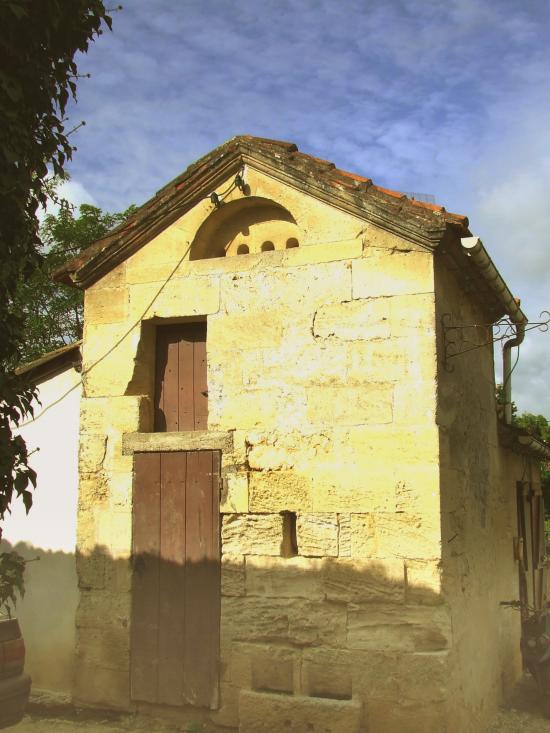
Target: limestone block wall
{"points": [[322, 368], [478, 510]]}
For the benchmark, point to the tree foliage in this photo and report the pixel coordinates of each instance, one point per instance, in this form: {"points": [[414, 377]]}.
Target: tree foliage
{"points": [[539, 427], [53, 311], [38, 43]]}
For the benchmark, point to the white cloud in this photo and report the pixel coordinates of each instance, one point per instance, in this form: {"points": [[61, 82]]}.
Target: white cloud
{"points": [[72, 191]]}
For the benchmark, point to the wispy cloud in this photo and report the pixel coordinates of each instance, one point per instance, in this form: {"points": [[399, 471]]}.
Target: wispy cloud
{"points": [[445, 97]]}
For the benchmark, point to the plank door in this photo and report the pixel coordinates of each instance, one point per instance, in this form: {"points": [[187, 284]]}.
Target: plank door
{"points": [[176, 553], [176, 579], [181, 392], [532, 540]]}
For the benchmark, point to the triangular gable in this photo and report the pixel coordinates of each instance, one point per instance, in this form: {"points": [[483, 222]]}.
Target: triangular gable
{"points": [[415, 221]]}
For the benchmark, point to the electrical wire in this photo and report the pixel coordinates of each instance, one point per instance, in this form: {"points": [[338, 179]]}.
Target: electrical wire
{"points": [[112, 348], [222, 196]]}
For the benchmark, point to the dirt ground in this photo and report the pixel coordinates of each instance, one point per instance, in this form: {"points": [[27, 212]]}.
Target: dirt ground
{"points": [[521, 714]]}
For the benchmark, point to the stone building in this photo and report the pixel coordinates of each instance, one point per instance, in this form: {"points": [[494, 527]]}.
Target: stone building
{"points": [[298, 508]]}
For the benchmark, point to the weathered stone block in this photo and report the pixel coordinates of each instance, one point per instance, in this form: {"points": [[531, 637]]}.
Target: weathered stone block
{"points": [[354, 320], [271, 713], [93, 489], [227, 715], [182, 296], [413, 315], [258, 409], [424, 581], [326, 252], [374, 674], [409, 536], [99, 415], [402, 360], [393, 273], [366, 405], [399, 628], [326, 673], [114, 532], [272, 674], [349, 490], [91, 452], [363, 535], [424, 676], [314, 623], [237, 332], [255, 618], [389, 535], [266, 453], [105, 305], [344, 535], [90, 570], [317, 535], [252, 534], [232, 575], [321, 362], [364, 581], [414, 402], [108, 647], [101, 687], [120, 490], [276, 491], [103, 609], [385, 716], [297, 290], [234, 498], [293, 577]]}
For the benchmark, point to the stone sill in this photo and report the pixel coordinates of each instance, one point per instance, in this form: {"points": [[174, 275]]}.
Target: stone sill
{"points": [[186, 440]]}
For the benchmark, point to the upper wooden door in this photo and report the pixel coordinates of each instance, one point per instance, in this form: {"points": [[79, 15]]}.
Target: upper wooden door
{"points": [[181, 391]]}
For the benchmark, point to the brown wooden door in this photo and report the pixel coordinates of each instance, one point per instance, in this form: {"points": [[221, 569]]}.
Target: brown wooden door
{"points": [[176, 553], [181, 392], [176, 579], [532, 545]]}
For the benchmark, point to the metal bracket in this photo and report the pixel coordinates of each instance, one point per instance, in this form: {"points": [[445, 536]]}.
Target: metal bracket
{"points": [[464, 337]]}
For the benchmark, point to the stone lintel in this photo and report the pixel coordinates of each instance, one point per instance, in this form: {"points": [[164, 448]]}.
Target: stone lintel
{"points": [[185, 440]]}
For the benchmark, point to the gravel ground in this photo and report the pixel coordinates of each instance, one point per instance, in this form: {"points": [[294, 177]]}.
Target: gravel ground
{"points": [[522, 712], [520, 715]]}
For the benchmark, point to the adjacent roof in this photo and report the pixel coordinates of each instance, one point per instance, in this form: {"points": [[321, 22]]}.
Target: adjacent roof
{"points": [[416, 221], [52, 363], [521, 441]]}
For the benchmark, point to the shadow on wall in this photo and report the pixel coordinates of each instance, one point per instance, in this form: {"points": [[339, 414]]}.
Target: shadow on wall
{"points": [[365, 639], [47, 615]]}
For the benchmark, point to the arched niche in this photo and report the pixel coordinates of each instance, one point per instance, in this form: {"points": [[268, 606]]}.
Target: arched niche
{"points": [[242, 227]]}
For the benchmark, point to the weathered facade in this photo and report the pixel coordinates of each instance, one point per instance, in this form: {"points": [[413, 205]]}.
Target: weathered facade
{"points": [[46, 613], [293, 515]]}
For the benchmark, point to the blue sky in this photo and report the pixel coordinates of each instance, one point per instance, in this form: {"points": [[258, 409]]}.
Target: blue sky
{"points": [[449, 98]]}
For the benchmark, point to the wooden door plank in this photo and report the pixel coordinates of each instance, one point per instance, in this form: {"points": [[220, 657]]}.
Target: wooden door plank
{"points": [[200, 382], [201, 625], [185, 383], [161, 354], [145, 582], [172, 578], [171, 381]]}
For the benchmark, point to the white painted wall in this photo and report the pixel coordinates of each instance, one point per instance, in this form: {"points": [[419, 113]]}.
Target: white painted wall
{"points": [[47, 612]]}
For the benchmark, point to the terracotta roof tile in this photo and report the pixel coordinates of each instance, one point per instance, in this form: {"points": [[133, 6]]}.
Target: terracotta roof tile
{"points": [[390, 192], [353, 176]]}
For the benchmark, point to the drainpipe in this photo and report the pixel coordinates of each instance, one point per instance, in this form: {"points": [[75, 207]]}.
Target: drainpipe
{"points": [[473, 247]]}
